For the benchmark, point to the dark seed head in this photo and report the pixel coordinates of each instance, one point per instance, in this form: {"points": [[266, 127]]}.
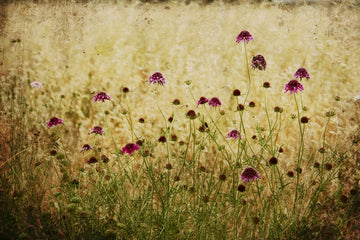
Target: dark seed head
{"points": [[290, 174], [304, 120], [252, 104], [240, 107], [236, 92], [176, 102], [273, 161], [125, 90], [328, 166], [241, 188], [222, 177]]}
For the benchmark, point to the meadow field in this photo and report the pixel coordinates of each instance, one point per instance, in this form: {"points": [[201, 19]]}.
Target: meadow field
{"points": [[179, 120]]}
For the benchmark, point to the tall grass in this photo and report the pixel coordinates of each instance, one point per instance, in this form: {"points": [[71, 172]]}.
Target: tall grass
{"points": [[185, 180]]}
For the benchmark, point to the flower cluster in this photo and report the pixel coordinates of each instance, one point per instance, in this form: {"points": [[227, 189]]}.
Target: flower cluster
{"points": [[54, 121], [293, 86], [101, 96], [130, 148], [158, 78], [97, 130], [258, 62], [234, 134], [36, 84], [301, 73], [244, 36], [249, 174]]}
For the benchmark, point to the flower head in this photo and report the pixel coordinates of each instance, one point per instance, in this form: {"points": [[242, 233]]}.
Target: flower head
{"points": [[158, 78], [101, 96], [97, 130], [86, 147], [130, 148], [214, 102], [258, 62], [249, 174], [202, 100], [54, 121], [36, 84], [301, 73], [293, 86], [234, 134], [244, 36], [92, 160]]}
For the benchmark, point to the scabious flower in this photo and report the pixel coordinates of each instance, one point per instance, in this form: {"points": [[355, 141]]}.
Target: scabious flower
{"points": [[97, 130], [244, 36], [249, 174], [54, 121], [202, 100], [130, 148], [86, 147], [101, 96], [234, 134], [92, 160], [293, 86], [158, 78], [36, 84], [258, 62], [301, 73], [214, 102]]}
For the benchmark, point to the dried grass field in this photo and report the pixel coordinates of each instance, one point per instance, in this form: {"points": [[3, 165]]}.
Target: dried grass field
{"points": [[190, 185]]}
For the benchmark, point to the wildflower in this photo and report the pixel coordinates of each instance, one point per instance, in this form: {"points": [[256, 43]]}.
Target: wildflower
{"points": [[266, 84], [139, 142], [301, 73], [202, 100], [278, 109], [36, 84], [54, 121], [316, 165], [258, 62], [244, 36], [249, 174], [240, 107], [236, 92], [191, 114], [251, 104], [293, 86], [162, 139], [241, 188], [158, 78], [176, 102], [214, 102], [130, 148], [273, 161], [101, 96], [86, 147], [304, 120], [104, 158], [174, 138], [328, 166], [234, 134], [222, 177], [168, 166], [97, 130], [290, 174], [92, 160]]}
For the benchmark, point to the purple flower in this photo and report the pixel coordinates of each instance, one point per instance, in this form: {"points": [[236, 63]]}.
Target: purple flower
{"points": [[97, 130], [157, 78], [244, 35], [92, 160], [36, 84], [101, 96], [54, 121], [249, 174], [258, 62], [234, 134], [214, 102], [86, 147], [293, 86], [202, 100], [301, 73], [130, 148]]}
